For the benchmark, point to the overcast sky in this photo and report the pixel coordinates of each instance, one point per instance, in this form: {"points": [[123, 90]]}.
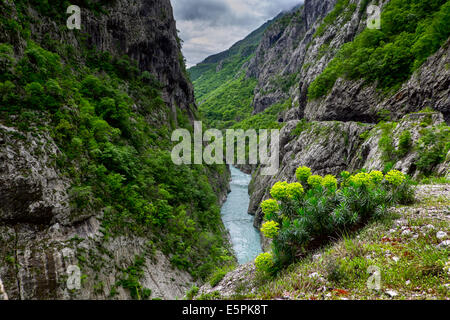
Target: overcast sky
{"points": [[212, 26]]}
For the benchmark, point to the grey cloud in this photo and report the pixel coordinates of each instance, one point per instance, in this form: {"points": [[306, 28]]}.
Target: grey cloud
{"points": [[200, 10], [211, 26]]}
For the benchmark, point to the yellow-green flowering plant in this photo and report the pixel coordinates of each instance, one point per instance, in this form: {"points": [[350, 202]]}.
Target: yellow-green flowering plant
{"points": [[270, 208], [304, 217], [395, 177], [295, 190], [264, 262], [302, 174], [376, 176], [280, 191], [360, 179], [270, 229], [345, 175], [315, 181], [330, 182]]}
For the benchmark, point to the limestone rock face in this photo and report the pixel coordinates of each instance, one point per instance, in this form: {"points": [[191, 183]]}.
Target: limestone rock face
{"points": [[330, 147], [343, 134], [354, 101], [297, 51], [31, 190], [43, 239], [144, 30]]}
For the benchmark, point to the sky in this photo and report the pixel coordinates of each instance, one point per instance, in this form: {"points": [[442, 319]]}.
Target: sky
{"points": [[211, 26]]}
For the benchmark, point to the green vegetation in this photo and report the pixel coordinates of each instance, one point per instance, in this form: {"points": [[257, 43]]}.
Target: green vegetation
{"points": [[411, 32], [433, 147], [112, 127], [303, 218], [268, 119], [223, 91], [219, 274], [130, 280], [408, 267], [405, 143], [229, 104], [190, 295]]}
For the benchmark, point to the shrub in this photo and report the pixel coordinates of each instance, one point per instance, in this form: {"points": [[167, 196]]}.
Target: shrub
{"points": [[395, 177], [360, 179], [35, 95], [295, 190], [433, 148], [193, 291], [270, 229], [345, 175], [405, 143], [330, 182], [218, 275], [376, 176], [325, 211]]}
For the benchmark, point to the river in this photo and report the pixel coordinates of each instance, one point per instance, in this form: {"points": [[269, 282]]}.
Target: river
{"points": [[244, 237]]}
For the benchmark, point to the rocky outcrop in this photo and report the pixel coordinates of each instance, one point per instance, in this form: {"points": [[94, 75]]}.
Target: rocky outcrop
{"points": [[296, 53], [42, 236], [356, 101], [144, 30], [330, 147], [241, 279], [294, 50], [46, 244], [293, 54], [31, 190]]}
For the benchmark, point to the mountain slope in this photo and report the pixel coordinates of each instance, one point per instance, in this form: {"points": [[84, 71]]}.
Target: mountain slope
{"points": [[223, 91], [87, 185], [353, 99]]}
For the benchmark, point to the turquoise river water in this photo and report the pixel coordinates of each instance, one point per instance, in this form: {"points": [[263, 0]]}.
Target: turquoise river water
{"points": [[244, 237]]}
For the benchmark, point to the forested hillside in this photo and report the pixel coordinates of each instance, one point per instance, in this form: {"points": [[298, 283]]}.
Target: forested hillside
{"points": [[223, 91], [86, 176]]}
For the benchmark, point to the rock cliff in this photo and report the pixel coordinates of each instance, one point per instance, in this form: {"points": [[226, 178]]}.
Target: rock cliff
{"points": [[332, 138], [45, 242]]}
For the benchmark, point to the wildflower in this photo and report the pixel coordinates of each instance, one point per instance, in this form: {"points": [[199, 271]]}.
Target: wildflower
{"points": [[360, 179], [280, 191], [303, 173], [264, 262], [376, 176], [395, 177], [315, 181], [269, 208], [270, 229], [295, 190], [329, 182]]}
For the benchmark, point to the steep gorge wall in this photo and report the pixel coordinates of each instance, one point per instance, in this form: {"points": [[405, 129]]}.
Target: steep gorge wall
{"points": [[299, 50], [334, 136], [41, 235]]}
